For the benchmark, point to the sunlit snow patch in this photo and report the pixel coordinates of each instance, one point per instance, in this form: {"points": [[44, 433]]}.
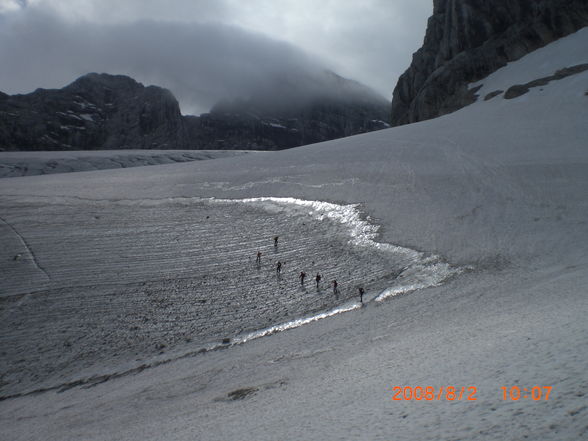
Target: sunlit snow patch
{"points": [[295, 323], [420, 270]]}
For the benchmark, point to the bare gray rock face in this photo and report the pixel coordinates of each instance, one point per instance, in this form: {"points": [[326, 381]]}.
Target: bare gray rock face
{"points": [[97, 111], [466, 40], [102, 111]]}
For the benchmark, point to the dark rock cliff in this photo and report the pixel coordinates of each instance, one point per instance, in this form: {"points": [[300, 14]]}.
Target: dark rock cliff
{"points": [[101, 111], [97, 111], [466, 40]]}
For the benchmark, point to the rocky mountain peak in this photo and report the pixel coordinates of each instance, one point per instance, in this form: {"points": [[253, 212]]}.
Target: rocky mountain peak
{"points": [[96, 111], [105, 80], [103, 111]]}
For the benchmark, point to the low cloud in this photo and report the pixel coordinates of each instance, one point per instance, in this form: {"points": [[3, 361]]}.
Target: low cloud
{"points": [[200, 63], [207, 50]]}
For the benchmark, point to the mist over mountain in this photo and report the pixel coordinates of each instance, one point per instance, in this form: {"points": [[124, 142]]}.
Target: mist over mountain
{"points": [[201, 62], [253, 91], [205, 50], [290, 112], [103, 111]]}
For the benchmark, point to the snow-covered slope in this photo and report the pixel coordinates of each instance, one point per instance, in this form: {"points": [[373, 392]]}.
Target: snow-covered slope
{"points": [[543, 62], [499, 187]]}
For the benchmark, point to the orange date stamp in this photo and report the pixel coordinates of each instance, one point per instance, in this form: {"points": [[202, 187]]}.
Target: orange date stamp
{"points": [[535, 393], [430, 393], [467, 393]]}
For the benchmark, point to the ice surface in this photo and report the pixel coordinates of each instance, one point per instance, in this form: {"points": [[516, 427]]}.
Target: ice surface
{"points": [[14, 164], [499, 186], [136, 276]]}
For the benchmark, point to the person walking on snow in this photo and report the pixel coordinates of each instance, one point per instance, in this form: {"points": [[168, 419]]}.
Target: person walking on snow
{"points": [[318, 280], [301, 277]]}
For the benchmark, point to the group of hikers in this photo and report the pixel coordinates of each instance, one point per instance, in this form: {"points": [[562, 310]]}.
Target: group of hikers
{"points": [[302, 275]]}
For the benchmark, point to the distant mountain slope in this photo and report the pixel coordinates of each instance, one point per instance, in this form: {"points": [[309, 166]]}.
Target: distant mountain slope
{"points": [[292, 112], [466, 40], [102, 111]]}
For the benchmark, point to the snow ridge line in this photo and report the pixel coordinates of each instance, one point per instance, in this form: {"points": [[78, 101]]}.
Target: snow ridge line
{"points": [[28, 248]]}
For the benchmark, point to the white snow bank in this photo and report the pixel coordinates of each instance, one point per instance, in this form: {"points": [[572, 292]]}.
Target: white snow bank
{"points": [[543, 62]]}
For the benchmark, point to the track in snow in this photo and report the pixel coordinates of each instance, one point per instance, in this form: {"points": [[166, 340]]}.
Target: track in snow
{"points": [[131, 279]]}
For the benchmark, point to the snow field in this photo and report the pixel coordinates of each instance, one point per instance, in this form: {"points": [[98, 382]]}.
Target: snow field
{"points": [[120, 282], [500, 185]]}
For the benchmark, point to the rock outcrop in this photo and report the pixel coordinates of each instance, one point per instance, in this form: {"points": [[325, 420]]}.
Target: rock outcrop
{"points": [[466, 40], [520, 89], [101, 111], [97, 111]]}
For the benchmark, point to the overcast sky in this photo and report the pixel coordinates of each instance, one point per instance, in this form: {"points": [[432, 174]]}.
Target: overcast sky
{"points": [[206, 50]]}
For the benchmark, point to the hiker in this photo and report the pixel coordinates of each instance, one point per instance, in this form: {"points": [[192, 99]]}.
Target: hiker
{"points": [[318, 280], [276, 241], [361, 293], [279, 267], [301, 277], [335, 290], [258, 260]]}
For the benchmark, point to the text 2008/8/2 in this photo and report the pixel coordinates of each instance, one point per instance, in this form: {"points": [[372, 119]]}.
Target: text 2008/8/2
{"points": [[430, 393]]}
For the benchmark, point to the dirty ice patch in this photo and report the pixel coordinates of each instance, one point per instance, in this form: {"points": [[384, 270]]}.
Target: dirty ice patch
{"points": [[420, 270]]}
